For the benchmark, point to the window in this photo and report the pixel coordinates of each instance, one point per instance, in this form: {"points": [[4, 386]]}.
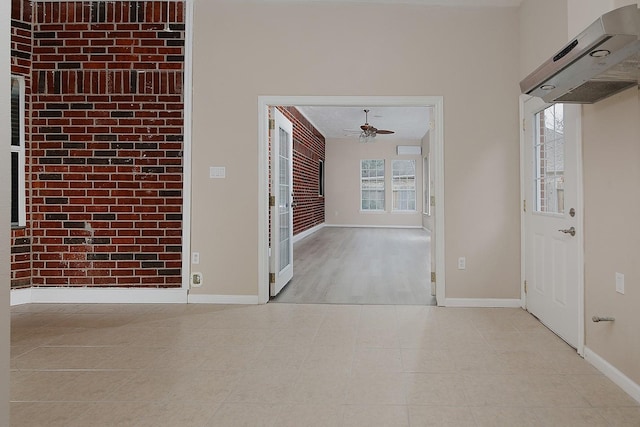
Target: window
{"points": [[18, 217], [321, 178], [426, 186], [403, 185], [372, 185], [549, 156]]}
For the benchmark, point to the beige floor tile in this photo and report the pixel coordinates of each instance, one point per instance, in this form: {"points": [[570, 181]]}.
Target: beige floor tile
{"points": [[245, 415], [377, 360], [599, 391], [69, 385], [320, 387], [264, 387], [331, 358], [435, 389], [375, 416], [572, 417], [212, 387], [621, 416], [549, 391], [291, 336], [145, 386], [275, 357], [376, 388], [132, 357], [326, 337], [233, 358], [45, 414], [428, 361], [494, 390], [378, 337], [311, 415], [440, 416], [68, 358], [144, 414], [507, 417], [286, 364]]}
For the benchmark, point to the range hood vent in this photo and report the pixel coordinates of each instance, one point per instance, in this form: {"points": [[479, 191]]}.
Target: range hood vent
{"points": [[601, 61]]}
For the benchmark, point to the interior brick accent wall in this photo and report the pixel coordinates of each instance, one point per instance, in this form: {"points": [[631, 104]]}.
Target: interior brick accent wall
{"points": [[21, 35], [106, 170], [308, 150]]}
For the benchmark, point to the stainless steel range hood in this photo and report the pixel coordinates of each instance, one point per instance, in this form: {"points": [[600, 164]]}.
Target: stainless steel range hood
{"points": [[602, 60]]}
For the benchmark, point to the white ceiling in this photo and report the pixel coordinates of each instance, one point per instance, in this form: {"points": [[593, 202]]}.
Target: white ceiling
{"points": [[340, 122]]}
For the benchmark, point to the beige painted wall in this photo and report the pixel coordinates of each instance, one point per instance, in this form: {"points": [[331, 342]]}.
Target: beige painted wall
{"points": [[342, 199], [5, 195], [543, 31], [611, 145], [357, 49], [611, 163]]}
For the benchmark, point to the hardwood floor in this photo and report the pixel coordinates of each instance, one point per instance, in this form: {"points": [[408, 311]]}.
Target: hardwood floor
{"points": [[361, 266]]}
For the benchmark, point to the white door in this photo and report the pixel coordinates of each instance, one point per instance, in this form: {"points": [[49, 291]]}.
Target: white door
{"points": [[553, 217], [281, 260]]}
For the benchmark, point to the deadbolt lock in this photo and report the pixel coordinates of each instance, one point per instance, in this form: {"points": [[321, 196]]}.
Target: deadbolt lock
{"points": [[572, 212]]}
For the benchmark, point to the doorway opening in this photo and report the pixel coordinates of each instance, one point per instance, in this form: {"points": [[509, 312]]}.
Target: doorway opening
{"points": [[435, 160]]}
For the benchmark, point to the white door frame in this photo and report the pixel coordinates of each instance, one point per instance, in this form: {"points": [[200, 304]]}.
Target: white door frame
{"points": [[579, 221], [388, 101]]}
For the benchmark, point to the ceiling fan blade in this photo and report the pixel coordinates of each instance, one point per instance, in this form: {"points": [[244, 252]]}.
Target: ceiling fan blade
{"points": [[384, 132]]}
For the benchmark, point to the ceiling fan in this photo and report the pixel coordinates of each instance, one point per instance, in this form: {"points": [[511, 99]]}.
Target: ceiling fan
{"points": [[368, 132]]}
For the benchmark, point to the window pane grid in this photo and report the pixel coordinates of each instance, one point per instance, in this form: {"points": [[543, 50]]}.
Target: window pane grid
{"points": [[372, 185], [549, 165], [403, 185]]}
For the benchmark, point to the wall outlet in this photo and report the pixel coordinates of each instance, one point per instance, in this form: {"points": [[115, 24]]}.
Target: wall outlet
{"points": [[462, 263], [620, 283], [196, 280], [195, 258]]}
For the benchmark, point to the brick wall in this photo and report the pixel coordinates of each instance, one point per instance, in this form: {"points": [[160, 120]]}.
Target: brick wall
{"points": [[106, 143], [21, 66], [308, 150]]}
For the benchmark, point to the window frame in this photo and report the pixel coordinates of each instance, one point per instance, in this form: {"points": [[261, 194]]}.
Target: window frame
{"points": [[320, 178], [20, 150], [394, 189], [426, 186], [384, 186]]}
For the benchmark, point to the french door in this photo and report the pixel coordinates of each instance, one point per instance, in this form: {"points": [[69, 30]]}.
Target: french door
{"points": [[281, 259]]}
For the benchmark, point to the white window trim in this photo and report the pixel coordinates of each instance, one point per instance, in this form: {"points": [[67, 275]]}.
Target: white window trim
{"points": [[426, 185], [384, 201], [415, 187], [22, 214]]}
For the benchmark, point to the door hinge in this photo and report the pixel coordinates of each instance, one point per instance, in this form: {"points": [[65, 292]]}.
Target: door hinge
{"points": [[525, 286], [272, 124], [524, 125], [433, 201], [433, 276], [272, 201], [524, 205], [272, 277]]}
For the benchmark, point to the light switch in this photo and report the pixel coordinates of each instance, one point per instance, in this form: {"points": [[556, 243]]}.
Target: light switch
{"points": [[620, 283], [217, 172]]}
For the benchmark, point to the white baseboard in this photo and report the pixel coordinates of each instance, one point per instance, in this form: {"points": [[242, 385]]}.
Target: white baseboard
{"points": [[20, 296], [222, 299], [611, 372], [482, 302], [306, 233], [371, 226], [104, 295]]}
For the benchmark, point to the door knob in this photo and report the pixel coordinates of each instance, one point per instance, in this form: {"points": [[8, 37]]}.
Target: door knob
{"points": [[571, 231]]}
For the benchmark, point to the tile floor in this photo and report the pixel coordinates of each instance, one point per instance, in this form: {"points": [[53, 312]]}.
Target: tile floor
{"points": [[300, 365]]}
